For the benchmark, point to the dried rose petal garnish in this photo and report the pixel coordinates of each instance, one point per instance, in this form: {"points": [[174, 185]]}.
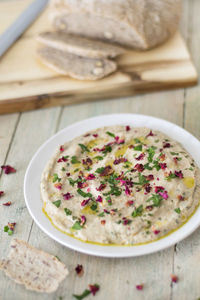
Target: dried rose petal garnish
{"points": [[85, 202], [62, 148], [62, 159], [174, 278], [103, 222], [90, 177], [156, 232], [140, 157], [101, 187], [166, 145], [95, 135], [150, 134], [129, 203], [107, 171], [58, 186], [79, 270], [94, 288], [7, 203], [99, 199], [8, 169], [178, 174], [159, 189], [139, 167], [128, 128], [163, 166], [120, 160], [83, 220], [164, 195], [180, 197], [139, 287], [88, 162], [67, 196], [1, 193]]}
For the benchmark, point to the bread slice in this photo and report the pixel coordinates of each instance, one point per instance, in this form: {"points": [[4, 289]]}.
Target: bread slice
{"points": [[140, 24], [36, 269], [75, 66], [79, 45]]}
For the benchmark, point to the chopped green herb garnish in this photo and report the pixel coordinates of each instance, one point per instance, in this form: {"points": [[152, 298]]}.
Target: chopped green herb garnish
{"points": [[156, 141], [84, 148], [171, 176], [151, 152], [68, 211], [156, 199], [8, 230], [110, 133], [57, 203], [83, 295], [56, 178], [63, 169], [142, 180], [138, 211], [147, 166], [101, 214], [174, 153], [177, 210], [83, 194], [107, 149], [98, 157], [94, 206], [138, 148], [74, 160], [156, 165], [99, 170], [77, 225], [137, 141]]}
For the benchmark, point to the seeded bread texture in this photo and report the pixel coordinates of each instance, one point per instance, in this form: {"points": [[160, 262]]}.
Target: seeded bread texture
{"points": [[79, 45], [36, 269], [75, 66], [140, 24]]}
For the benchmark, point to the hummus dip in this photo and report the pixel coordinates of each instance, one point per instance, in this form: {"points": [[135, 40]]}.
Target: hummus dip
{"points": [[120, 185]]}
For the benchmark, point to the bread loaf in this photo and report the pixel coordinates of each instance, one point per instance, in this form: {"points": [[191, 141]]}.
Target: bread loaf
{"points": [[140, 24]]}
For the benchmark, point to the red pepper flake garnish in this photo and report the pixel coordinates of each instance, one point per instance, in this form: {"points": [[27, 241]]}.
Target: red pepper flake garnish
{"points": [[139, 167], [149, 177], [147, 188], [120, 160], [128, 128], [79, 270], [156, 232], [139, 287], [7, 203], [107, 171], [8, 169], [93, 288], [103, 222], [180, 197], [166, 145], [174, 278], [162, 157], [99, 199], [150, 134], [62, 148], [140, 157], [83, 220], [95, 135], [90, 177], [82, 185], [58, 186], [1, 193], [129, 203], [163, 166], [164, 195], [101, 187], [85, 202], [67, 196], [178, 174], [159, 188]]}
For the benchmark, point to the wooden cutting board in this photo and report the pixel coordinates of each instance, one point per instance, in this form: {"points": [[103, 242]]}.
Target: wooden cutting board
{"points": [[26, 84]]}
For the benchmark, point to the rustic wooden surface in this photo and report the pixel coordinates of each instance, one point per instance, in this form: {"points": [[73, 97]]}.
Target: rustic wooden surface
{"points": [[20, 136], [25, 83]]}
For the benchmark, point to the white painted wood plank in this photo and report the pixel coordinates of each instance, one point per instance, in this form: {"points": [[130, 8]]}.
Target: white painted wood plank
{"points": [[33, 129]]}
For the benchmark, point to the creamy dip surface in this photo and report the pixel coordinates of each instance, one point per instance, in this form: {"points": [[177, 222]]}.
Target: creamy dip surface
{"points": [[120, 185]]}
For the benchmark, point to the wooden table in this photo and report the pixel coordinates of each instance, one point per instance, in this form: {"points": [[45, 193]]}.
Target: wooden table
{"points": [[20, 136]]}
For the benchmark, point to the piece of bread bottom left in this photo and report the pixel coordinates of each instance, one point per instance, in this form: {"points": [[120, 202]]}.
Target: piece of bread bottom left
{"points": [[37, 270]]}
